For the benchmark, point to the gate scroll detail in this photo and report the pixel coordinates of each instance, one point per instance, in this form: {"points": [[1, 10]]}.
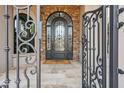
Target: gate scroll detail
{"points": [[100, 47], [30, 30], [94, 48]]}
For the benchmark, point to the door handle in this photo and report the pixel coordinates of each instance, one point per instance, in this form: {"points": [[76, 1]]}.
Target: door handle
{"points": [[120, 71]]}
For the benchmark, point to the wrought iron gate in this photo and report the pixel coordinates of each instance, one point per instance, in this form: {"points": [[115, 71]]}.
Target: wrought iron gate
{"points": [[23, 44], [99, 41], [100, 47]]}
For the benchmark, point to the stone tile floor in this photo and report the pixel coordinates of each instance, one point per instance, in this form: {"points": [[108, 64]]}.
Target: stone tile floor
{"points": [[52, 76]]}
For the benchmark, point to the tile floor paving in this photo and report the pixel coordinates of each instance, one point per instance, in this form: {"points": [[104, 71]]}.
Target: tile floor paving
{"points": [[52, 76]]}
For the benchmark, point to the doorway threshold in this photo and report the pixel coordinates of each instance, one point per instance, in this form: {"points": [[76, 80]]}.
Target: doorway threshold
{"points": [[57, 62]]}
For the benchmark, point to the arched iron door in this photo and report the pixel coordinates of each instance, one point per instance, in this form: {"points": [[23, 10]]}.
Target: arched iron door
{"points": [[59, 36]]}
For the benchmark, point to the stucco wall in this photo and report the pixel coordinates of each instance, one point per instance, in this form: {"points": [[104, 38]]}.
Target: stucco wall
{"points": [[91, 7]]}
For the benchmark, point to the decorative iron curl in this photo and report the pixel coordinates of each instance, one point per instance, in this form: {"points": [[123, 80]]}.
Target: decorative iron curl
{"points": [[22, 48], [32, 72], [84, 44], [24, 43], [23, 33], [96, 75]]}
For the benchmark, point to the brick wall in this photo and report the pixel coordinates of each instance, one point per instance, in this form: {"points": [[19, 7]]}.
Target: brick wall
{"points": [[74, 12]]}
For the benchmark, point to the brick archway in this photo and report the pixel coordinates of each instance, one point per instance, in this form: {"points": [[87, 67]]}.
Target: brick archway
{"points": [[74, 12]]}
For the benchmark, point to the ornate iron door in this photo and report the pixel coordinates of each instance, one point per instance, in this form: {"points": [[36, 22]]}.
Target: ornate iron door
{"points": [[59, 48], [30, 74], [59, 36], [100, 47]]}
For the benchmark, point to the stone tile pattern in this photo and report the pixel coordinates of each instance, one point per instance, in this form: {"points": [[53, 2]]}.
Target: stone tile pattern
{"points": [[52, 76], [61, 75], [74, 12]]}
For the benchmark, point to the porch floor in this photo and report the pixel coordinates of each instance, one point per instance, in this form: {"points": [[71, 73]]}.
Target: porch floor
{"points": [[52, 76]]}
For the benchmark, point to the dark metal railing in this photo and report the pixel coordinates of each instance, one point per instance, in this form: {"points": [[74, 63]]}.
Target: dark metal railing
{"points": [[94, 48], [98, 41], [32, 63], [115, 25], [6, 48], [114, 12]]}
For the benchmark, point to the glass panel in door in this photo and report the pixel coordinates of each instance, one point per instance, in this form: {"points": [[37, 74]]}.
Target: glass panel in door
{"points": [[59, 42]]}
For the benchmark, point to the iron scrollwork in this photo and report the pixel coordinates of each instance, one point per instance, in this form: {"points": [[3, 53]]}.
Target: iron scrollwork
{"points": [[23, 47], [92, 64]]}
